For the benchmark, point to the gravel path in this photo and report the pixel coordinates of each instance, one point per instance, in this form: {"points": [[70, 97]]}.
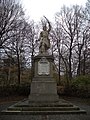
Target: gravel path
{"points": [[83, 105]]}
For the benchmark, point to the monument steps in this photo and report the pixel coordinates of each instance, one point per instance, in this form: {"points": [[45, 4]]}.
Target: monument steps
{"points": [[42, 112], [45, 105], [23, 108], [44, 108]]}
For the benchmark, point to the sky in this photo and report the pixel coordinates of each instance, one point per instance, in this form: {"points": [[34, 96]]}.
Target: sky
{"points": [[36, 9]]}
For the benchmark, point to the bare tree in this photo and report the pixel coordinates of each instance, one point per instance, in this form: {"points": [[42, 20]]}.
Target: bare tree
{"points": [[70, 20], [12, 30], [30, 45], [10, 12]]}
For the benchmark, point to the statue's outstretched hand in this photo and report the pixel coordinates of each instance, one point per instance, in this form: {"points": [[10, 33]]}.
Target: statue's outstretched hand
{"points": [[48, 24]]}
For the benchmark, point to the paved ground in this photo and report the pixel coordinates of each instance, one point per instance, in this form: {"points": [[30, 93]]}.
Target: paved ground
{"points": [[82, 103]]}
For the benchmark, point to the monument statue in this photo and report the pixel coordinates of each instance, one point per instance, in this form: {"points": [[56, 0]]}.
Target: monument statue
{"points": [[44, 38]]}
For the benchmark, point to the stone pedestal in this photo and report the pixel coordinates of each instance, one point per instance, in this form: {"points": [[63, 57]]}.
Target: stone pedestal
{"points": [[43, 86]]}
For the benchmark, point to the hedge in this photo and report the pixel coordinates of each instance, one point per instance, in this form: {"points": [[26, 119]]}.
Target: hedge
{"points": [[10, 90]]}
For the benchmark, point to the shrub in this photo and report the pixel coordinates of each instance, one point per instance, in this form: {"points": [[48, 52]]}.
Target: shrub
{"points": [[80, 86], [10, 90]]}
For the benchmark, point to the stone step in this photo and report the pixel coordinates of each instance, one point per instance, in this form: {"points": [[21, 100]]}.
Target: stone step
{"points": [[25, 103], [43, 108], [42, 112], [43, 105]]}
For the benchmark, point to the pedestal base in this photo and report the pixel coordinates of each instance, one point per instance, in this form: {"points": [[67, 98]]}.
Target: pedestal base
{"points": [[43, 86], [43, 90]]}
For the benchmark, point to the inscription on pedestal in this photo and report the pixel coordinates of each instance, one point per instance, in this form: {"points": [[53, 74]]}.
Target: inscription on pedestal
{"points": [[43, 66]]}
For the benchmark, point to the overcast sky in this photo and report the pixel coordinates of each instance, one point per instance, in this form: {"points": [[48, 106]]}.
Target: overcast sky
{"points": [[37, 8]]}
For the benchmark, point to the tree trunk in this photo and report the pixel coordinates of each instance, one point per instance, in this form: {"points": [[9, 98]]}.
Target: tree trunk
{"points": [[19, 70], [84, 64], [79, 65], [59, 68], [70, 72], [32, 67], [9, 74]]}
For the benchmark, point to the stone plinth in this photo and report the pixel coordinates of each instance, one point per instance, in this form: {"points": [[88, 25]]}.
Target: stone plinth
{"points": [[43, 86]]}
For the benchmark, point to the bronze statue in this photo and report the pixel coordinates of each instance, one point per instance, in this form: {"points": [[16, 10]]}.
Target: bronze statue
{"points": [[44, 38]]}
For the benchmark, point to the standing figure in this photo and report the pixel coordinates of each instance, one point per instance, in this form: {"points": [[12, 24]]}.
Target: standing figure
{"points": [[44, 39]]}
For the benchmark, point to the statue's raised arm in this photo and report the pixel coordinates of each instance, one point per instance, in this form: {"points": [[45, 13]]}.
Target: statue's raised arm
{"points": [[48, 24]]}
